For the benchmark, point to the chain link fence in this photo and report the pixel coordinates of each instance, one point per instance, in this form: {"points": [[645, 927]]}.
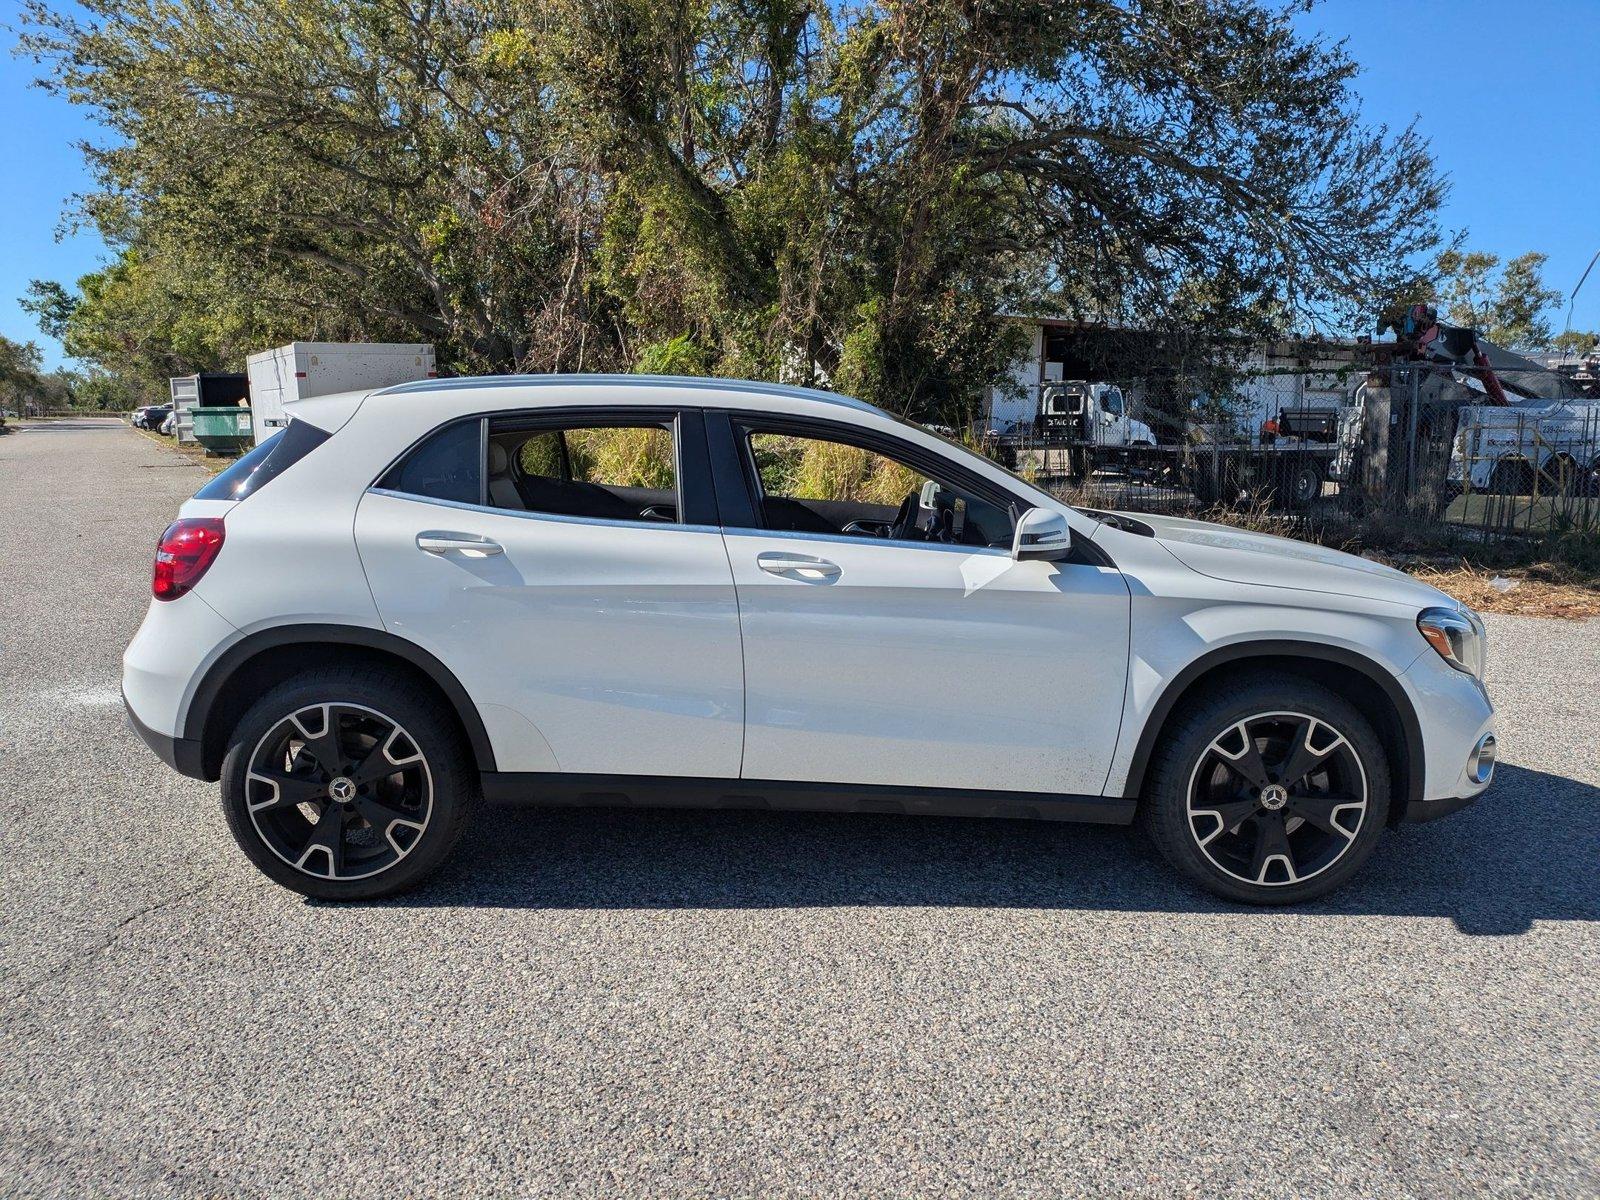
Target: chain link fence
{"points": [[1458, 452]]}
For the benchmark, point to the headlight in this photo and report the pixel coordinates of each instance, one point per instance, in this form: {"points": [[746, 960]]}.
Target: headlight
{"points": [[1457, 634]]}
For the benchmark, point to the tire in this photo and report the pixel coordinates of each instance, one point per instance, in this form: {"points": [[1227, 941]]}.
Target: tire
{"points": [[1213, 483], [1512, 477], [1302, 485], [402, 765], [1559, 476], [1215, 826]]}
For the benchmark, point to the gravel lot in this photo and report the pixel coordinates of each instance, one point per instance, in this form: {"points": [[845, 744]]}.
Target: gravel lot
{"points": [[637, 1003]]}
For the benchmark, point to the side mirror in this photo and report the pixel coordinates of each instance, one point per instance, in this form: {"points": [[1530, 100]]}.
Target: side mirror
{"points": [[1042, 534]]}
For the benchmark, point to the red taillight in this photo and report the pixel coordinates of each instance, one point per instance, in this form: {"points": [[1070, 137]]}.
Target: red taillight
{"points": [[187, 548]]}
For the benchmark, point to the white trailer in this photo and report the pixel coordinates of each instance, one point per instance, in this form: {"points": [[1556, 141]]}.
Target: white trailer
{"points": [[304, 369]]}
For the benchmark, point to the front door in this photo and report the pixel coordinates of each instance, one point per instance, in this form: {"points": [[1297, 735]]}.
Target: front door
{"points": [[889, 637], [556, 564]]}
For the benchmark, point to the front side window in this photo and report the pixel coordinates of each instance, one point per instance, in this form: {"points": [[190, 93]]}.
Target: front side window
{"points": [[612, 472], [817, 485]]}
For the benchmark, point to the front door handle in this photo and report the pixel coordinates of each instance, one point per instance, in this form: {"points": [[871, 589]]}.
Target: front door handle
{"points": [[439, 541], [789, 564]]}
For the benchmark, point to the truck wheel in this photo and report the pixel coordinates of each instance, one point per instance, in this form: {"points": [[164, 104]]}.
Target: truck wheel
{"points": [[1512, 477], [1214, 483], [1559, 476], [1302, 485], [1268, 789], [347, 784]]}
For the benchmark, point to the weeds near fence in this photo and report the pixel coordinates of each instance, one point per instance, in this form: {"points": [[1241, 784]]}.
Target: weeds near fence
{"points": [[1540, 590]]}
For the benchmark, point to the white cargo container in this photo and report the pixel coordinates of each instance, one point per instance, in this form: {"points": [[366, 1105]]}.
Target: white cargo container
{"points": [[304, 369]]}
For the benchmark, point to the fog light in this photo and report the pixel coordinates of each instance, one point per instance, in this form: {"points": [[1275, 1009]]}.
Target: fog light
{"points": [[1480, 763]]}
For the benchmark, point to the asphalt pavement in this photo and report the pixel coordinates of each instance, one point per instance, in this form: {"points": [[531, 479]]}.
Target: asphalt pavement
{"points": [[728, 1004]]}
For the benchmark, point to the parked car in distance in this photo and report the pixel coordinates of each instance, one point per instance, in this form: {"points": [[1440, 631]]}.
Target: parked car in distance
{"points": [[169, 423], [603, 590], [151, 416]]}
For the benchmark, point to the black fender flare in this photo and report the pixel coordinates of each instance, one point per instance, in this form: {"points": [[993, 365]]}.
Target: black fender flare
{"points": [[220, 672], [1410, 727]]}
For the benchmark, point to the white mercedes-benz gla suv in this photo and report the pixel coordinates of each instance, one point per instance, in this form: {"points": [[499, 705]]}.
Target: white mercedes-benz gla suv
{"points": [[627, 590]]}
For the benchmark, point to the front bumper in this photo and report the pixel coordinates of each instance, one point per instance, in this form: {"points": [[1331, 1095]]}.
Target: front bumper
{"points": [[1431, 810], [1456, 716]]}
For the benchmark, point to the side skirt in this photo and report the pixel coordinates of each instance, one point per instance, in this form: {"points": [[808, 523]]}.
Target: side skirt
{"points": [[543, 790]]}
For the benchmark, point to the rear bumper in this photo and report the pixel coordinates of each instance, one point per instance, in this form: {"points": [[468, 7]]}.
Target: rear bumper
{"points": [[181, 754]]}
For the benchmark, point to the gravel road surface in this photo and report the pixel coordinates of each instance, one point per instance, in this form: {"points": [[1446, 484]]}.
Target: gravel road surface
{"points": [[637, 1003]]}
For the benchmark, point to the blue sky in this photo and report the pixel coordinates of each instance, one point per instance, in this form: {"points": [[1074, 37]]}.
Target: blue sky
{"points": [[1508, 94]]}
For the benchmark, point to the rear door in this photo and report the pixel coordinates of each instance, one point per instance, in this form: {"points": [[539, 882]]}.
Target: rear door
{"points": [[582, 597]]}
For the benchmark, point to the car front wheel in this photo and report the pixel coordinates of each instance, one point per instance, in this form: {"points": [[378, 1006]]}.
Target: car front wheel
{"points": [[347, 784], [1268, 790]]}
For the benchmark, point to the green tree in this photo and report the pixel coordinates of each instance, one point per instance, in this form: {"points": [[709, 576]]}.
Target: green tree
{"points": [[19, 372], [1510, 308], [1576, 341], [844, 195]]}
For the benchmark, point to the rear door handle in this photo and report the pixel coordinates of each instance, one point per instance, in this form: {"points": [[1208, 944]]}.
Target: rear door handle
{"points": [[789, 564], [439, 541]]}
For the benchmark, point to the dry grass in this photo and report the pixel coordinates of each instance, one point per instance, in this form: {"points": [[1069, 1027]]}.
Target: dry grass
{"points": [[1542, 590], [1432, 552]]}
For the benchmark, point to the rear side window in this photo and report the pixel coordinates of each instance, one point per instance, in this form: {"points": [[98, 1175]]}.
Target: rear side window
{"points": [[265, 463], [444, 467], [618, 472]]}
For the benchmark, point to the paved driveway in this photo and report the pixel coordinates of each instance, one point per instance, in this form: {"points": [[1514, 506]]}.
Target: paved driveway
{"points": [[678, 1003]]}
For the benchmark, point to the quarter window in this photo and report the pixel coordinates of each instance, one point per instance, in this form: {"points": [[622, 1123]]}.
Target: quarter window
{"points": [[444, 467]]}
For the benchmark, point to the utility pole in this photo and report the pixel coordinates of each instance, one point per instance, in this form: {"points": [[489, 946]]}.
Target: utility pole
{"points": [[1573, 299]]}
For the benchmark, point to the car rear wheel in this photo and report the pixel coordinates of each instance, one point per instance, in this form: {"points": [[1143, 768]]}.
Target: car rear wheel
{"points": [[347, 784], [1269, 790]]}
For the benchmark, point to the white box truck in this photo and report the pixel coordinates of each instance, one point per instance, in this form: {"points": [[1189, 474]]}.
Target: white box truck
{"points": [[304, 369]]}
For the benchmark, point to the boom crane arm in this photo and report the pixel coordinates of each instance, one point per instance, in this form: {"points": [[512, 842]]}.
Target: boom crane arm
{"points": [[1422, 337]]}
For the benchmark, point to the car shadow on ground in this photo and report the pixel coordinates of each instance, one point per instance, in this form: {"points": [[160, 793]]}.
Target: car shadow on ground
{"points": [[1529, 851]]}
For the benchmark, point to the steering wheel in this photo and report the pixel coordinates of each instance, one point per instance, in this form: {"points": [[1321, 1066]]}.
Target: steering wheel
{"points": [[905, 521]]}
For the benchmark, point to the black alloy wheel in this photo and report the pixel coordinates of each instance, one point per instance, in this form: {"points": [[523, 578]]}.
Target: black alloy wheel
{"points": [[1267, 788], [1277, 798], [339, 791]]}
